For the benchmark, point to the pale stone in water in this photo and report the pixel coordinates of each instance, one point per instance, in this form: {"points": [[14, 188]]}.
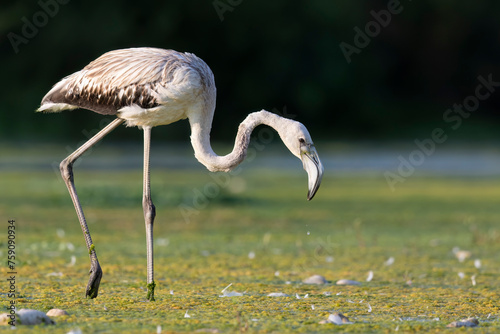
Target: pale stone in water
{"points": [[315, 279], [278, 294], [27, 317], [347, 282], [336, 318], [470, 322], [56, 312], [4, 319]]}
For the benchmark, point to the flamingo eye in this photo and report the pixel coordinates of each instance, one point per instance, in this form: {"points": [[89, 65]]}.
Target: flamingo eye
{"points": [[302, 140]]}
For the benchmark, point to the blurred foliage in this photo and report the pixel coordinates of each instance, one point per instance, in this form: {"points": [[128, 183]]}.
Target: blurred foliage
{"points": [[266, 54]]}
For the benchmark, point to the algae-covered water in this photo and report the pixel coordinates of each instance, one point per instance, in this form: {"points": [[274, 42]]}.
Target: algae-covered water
{"points": [[257, 231]]}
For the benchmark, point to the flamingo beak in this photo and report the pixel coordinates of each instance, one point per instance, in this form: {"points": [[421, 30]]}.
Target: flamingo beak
{"points": [[313, 167]]}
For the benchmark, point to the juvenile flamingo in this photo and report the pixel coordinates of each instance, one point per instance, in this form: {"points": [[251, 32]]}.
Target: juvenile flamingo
{"points": [[147, 87]]}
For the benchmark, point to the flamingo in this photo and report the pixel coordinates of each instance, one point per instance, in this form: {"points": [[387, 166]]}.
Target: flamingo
{"points": [[147, 87]]}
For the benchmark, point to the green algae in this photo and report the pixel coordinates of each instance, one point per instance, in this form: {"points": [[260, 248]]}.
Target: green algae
{"points": [[355, 224], [151, 291], [91, 249]]}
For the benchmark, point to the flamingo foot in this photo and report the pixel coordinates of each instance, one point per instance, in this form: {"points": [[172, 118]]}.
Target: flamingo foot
{"points": [[94, 280]]}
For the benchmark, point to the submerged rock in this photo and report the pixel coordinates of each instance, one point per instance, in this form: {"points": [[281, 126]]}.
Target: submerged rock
{"points": [[278, 294], [347, 282], [336, 318], [26, 317], [5, 319], [470, 322], [56, 312], [315, 279]]}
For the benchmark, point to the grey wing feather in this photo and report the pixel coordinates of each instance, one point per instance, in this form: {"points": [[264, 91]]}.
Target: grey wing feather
{"points": [[116, 79]]}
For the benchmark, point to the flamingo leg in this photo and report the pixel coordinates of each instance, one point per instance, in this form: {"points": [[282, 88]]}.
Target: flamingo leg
{"points": [[66, 168], [149, 215]]}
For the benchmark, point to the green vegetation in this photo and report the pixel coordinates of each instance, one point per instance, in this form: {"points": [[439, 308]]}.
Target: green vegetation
{"points": [[353, 226], [151, 291]]}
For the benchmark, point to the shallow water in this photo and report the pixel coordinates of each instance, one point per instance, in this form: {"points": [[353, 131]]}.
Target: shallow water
{"points": [[477, 160]]}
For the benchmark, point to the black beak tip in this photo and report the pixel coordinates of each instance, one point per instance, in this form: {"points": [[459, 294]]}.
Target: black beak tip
{"points": [[310, 196]]}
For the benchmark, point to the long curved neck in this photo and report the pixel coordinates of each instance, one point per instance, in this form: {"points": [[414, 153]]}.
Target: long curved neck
{"points": [[200, 139]]}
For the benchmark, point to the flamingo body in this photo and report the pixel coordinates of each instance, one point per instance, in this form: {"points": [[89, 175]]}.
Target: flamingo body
{"points": [[143, 86]]}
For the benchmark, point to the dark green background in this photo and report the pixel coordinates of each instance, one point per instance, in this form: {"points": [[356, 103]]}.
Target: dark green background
{"points": [[272, 55]]}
